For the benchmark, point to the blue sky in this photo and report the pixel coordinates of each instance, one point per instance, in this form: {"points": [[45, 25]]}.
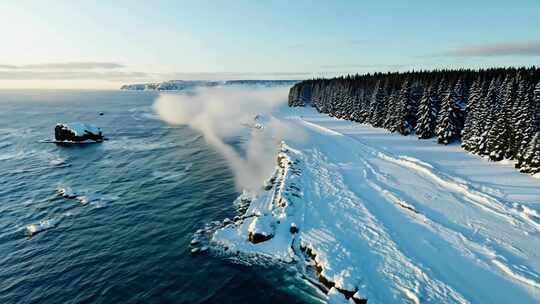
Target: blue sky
{"points": [[101, 44]]}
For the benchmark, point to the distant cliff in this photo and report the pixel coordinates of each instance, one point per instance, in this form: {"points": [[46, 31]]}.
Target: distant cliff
{"points": [[181, 85], [494, 113]]}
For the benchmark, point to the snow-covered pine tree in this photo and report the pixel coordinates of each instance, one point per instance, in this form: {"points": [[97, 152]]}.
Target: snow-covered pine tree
{"points": [[406, 108], [529, 162], [442, 89], [531, 159], [347, 106], [380, 114], [497, 139], [356, 107], [427, 115], [525, 121], [487, 115], [365, 100], [461, 94], [335, 94], [537, 104], [508, 100], [390, 120], [449, 123], [377, 104], [471, 129]]}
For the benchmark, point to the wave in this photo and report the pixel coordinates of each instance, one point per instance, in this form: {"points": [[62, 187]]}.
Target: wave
{"points": [[42, 225], [84, 197], [172, 175], [136, 144], [143, 113], [95, 200]]}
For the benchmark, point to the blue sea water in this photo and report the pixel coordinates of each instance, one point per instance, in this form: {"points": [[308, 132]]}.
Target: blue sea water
{"points": [[153, 186]]}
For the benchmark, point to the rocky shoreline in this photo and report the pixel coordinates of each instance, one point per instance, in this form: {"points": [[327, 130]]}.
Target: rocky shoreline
{"points": [[271, 227]]}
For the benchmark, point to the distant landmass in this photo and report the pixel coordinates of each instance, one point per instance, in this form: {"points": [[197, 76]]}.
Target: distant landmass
{"points": [[180, 85]]}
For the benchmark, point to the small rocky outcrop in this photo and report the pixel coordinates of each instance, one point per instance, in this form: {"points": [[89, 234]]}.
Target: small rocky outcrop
{"points": [[351, 295], [77, 132], [293, 229], [259, 237]]}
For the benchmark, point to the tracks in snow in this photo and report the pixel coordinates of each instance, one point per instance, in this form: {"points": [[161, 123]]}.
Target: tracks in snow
{"points": [[480, 239], [514, 213], [339, 249]]}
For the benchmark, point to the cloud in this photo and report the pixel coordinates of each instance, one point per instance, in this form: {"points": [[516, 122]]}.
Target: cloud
{"points": [[70, 75], [10, 72], [529, 48], [112, 71], [7, 66], [74, 70], [65, 66]]}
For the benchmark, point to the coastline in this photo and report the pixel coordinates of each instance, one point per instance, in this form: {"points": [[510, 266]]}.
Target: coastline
{"points": [[331, 208]]}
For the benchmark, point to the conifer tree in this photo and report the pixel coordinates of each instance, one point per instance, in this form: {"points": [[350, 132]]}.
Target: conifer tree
{"points": [[487, 115], [377, 104], [531, 161], [499, 141], [461, 95], [498, 138], [508, 100], [406, 110], [427, 115], [537, 104], [450, 117], [525, 120], [519, 116], [471, 129], [391, 119], [531, 122], [356, 106]]}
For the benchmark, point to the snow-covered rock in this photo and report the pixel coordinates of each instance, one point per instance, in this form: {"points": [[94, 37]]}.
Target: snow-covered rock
{"points": [[261, 229], [77, 132]]}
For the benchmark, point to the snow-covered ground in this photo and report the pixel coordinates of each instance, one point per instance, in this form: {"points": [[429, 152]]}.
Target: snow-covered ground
{"points": [[394, 219]]}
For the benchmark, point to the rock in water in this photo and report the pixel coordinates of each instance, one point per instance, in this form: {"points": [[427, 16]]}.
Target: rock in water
{"points": [[77, 132]]}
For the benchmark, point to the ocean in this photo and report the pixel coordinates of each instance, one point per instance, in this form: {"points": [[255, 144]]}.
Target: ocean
{"points": [[147, 189]]}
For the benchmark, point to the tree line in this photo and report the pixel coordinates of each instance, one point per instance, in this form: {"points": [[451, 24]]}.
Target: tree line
{"points": [[493, 112]]}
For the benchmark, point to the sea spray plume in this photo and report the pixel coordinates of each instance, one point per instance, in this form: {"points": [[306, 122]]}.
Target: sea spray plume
{"points": [[221, 112]]}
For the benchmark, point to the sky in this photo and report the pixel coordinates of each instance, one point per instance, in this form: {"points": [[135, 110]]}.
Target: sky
{"points": [[104, 44]]}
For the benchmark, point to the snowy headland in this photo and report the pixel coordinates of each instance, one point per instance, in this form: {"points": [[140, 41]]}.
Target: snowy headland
{"points": [[181, 85], [368, 215]]}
